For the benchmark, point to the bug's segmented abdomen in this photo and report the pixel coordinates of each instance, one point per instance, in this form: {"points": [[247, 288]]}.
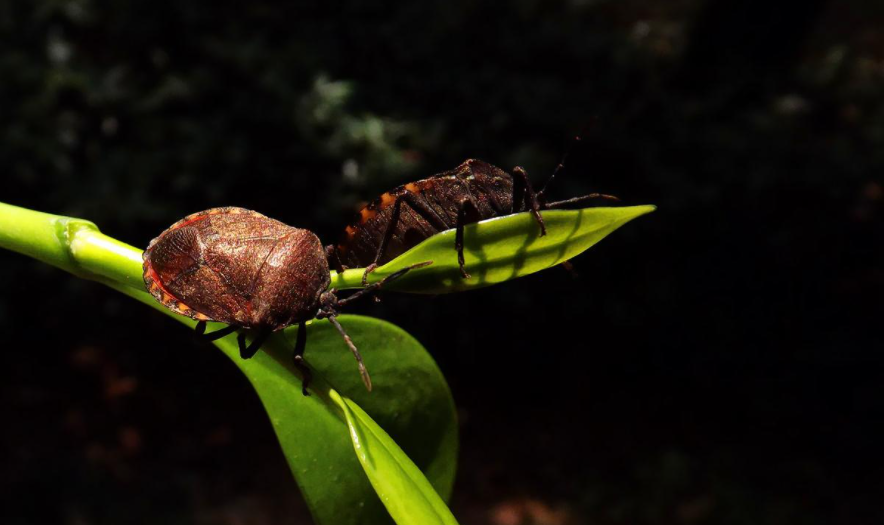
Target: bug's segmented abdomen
{"points": [[441, 196], [363, 238]]}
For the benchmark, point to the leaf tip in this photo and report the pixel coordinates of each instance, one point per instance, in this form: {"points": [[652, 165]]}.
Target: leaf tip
{"points": [[637, 211]]}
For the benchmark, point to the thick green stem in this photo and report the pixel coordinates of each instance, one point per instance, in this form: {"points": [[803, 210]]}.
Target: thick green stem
{"points": [[74, 245]]}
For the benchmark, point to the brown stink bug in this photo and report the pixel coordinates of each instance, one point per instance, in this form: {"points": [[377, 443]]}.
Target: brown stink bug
{"points": [[403, 217], [254, 273]]}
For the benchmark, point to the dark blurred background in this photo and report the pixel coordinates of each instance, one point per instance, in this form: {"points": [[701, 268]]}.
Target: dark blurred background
{"points": [[716, 362]]}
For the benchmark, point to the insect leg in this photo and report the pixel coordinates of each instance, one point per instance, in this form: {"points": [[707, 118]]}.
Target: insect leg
{"points": [[217, 334], [569, 267], [241, 341], [375, 286], [385, 240], [300, 345], [362, 370], [530, 197], [458, 234], [334, 259], [427, 213], [579, 200], [247, 352]]}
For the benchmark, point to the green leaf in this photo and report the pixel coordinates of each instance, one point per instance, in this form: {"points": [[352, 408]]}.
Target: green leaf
{"points": [[411, 398], [408, 496], [497, 250]]}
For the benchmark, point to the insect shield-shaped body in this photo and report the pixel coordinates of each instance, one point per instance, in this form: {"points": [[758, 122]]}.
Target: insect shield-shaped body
{"points": [[251, 272], [238, 267], [403, 217]]}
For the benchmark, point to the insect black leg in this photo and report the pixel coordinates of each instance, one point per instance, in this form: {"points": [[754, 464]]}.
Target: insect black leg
{"points": [[243, 347], [466, 206], [300, 345], [388, 234], [569, 267], [247, 352], [427, 213], [199, 330], [334, 259], [217, 334], [368, 269], [241, 340], [530, 198], [362, 370], [375, 286], [579, 200]]}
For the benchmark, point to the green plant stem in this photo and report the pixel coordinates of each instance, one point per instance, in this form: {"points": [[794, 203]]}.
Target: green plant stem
{"points": [[74, 245]]}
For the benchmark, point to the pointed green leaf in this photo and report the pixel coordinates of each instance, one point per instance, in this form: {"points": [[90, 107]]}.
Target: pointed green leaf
{"points": [[405, 491], [497, 250], [311, 432], [409, 398]]}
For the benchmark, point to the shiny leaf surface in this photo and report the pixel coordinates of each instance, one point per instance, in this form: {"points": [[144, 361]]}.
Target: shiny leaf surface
{"points": [[497, 250], [409, 498]]}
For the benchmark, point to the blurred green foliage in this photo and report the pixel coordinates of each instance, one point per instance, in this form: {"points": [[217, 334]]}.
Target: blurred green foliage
{"points": [[137, 106]]}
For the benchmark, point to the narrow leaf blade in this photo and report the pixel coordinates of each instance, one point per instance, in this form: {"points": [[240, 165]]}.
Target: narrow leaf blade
{"points": [[499, 249], [407, 494], [410, 398]]}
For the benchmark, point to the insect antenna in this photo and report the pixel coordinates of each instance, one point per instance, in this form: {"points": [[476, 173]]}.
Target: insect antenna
{"points": [[375, 286], [329, 311], [559, 167], [581, 199], [362, 370]]}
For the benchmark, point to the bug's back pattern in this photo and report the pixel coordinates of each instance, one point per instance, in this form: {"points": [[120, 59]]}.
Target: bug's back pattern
{"points": [[237, 266], [489, 188]]}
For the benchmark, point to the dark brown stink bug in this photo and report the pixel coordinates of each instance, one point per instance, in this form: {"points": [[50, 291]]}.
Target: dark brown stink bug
{"points": [[249, 271], [405, 216]]}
